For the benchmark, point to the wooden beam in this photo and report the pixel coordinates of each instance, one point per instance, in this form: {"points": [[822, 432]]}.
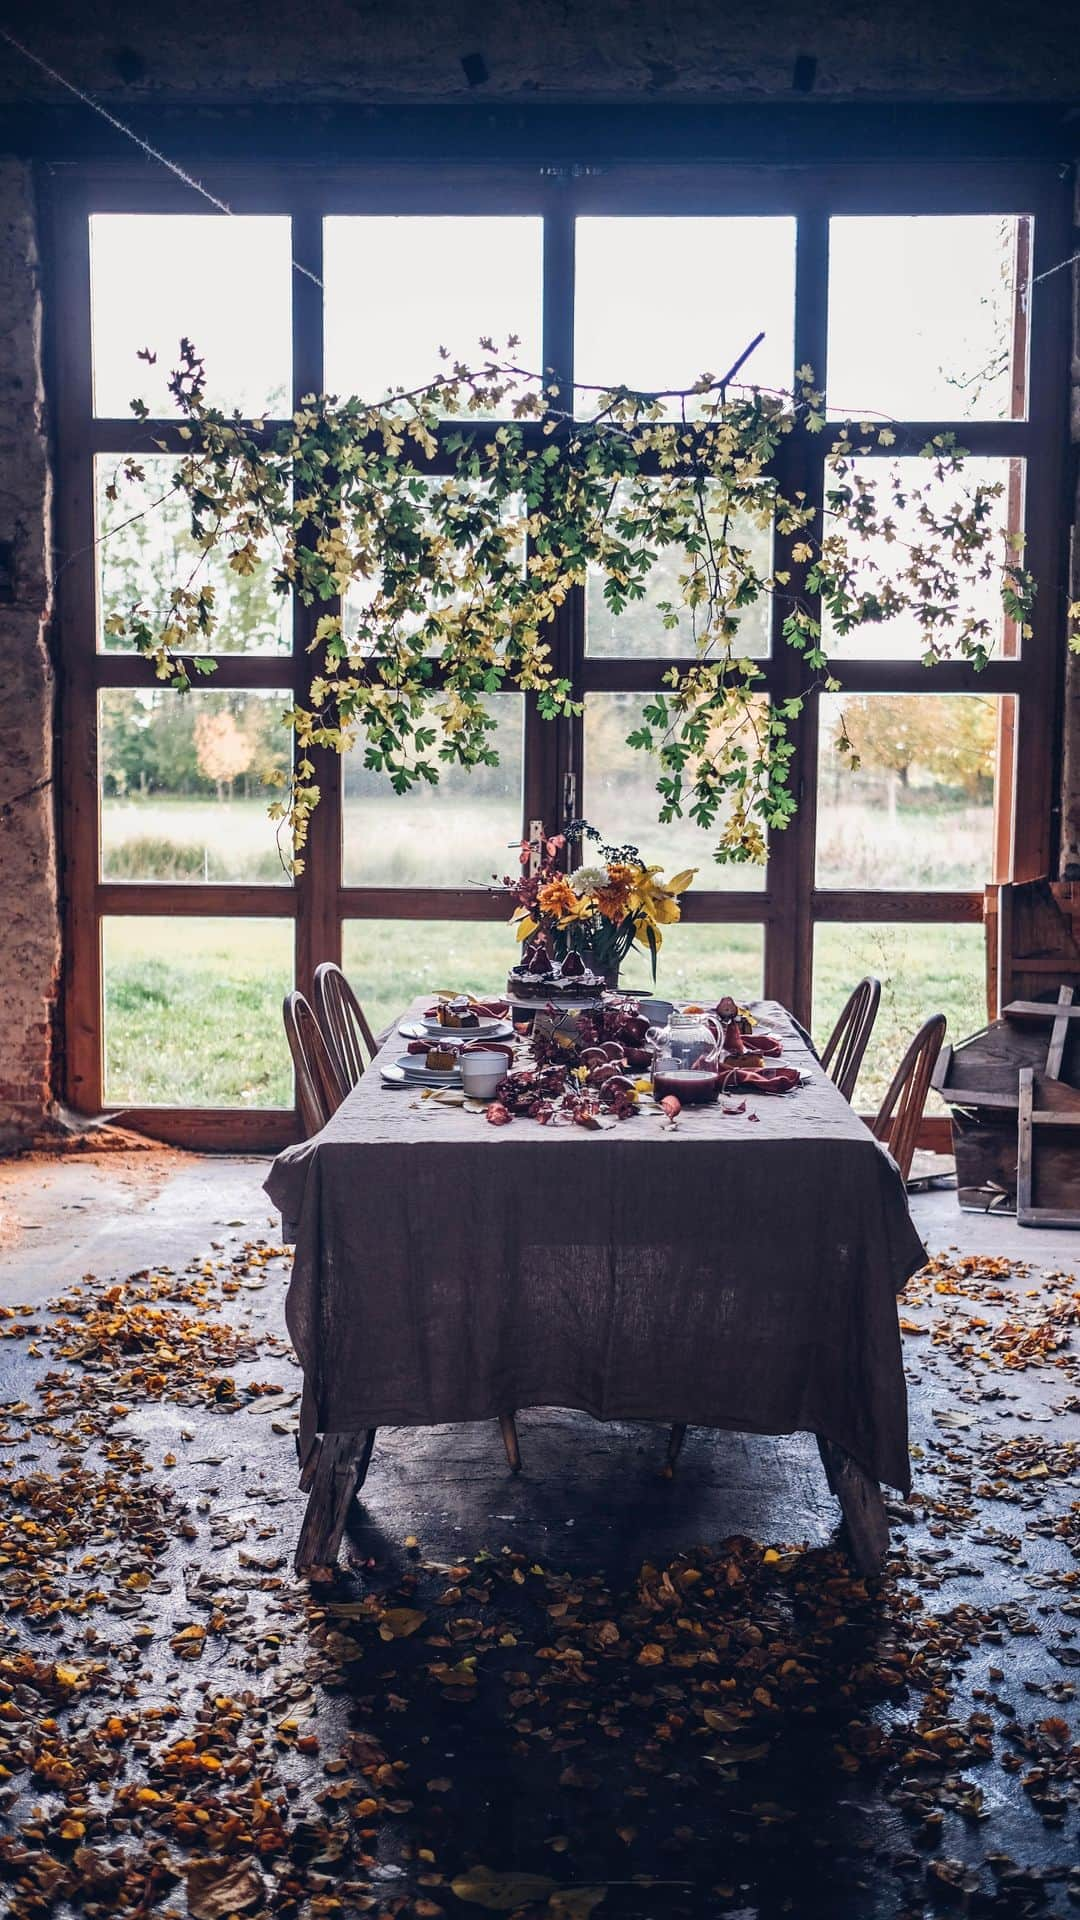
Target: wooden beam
{"points": [[1059, 1033], [902, 905], [212, 1129], [1058, 1014], [177, 898], [1024, 1147], [269, 671]]}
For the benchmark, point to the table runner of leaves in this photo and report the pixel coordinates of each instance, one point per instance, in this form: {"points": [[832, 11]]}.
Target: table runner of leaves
{"points": [[745, 1729]]}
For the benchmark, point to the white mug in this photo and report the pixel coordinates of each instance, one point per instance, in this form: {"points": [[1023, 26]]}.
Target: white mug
{"points": [[481, 1070]]}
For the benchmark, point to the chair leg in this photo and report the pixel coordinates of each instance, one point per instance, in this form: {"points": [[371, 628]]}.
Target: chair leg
{"points": [[674, 1448], [510, 1441]]}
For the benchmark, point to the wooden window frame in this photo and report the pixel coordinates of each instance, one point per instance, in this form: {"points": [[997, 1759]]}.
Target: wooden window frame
{"points": [[789, 904]]}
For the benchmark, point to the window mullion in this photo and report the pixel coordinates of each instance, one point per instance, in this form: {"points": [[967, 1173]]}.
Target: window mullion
{"points": [[318, 919], [789, 931], [553, 747]]}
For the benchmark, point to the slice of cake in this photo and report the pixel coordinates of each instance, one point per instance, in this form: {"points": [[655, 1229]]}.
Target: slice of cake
{"points": [[458, 1014]]}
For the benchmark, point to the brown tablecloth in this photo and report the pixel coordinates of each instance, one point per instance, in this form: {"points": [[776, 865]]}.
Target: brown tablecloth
{"points": [[736, 1272]]}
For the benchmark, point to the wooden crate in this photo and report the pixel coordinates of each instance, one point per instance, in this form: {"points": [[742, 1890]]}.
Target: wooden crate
{"points": [[979, 1078]]}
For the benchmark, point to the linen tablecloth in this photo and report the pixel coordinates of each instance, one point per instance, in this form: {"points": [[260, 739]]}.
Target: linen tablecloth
{"points": [[738, 1271]]}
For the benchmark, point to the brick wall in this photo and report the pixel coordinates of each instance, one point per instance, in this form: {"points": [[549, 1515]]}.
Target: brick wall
{"points": [[29, 930]]}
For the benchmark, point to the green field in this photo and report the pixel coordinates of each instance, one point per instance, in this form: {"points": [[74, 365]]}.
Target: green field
{"points": [[440, 837], [193, 1007], [193, 1011]]}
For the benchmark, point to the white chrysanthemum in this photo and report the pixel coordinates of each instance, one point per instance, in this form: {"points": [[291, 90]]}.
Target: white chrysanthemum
{"points": [[588, 880]]}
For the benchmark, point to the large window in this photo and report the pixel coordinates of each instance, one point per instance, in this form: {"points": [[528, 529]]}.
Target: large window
{"points": [[914, 294]]}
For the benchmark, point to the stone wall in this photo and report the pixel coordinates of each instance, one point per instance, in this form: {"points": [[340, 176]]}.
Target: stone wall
{"points": [[29, 926], [363, 52]]}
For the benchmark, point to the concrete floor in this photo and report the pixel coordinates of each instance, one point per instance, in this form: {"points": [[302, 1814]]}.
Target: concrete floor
{"points": [[111, 1213], [591, 1500]]}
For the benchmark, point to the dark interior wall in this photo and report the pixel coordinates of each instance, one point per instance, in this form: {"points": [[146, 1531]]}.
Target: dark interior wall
{"points": [[198, 80], [548, 50]]}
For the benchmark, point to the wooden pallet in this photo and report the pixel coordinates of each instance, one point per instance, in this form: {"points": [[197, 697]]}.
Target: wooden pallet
{"points": [[1048, 1178]]}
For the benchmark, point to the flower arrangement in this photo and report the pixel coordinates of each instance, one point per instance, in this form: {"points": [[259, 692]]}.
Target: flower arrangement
{"points": [[601, 908]]}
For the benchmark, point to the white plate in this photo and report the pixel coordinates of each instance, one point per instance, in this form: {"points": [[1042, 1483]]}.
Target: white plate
{"points": [[487, 1030], [394, 1075], [414, 1067]]}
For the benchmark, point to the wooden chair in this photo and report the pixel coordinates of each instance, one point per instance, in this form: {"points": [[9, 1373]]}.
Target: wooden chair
{"points": [[319, 1086], [847, 1043], [345, 1028], [901, 1111]]}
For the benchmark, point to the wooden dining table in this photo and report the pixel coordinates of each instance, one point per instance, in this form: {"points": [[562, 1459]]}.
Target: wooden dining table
{"points": [[738, 1270]]}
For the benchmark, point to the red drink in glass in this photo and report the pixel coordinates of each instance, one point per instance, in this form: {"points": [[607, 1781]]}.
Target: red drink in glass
{"points": [[693, 1086]]}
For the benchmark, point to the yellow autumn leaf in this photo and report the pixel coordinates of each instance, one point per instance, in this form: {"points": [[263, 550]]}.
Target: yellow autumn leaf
{"points": [[397, 1623], [501, 1892], [575, 1903]]}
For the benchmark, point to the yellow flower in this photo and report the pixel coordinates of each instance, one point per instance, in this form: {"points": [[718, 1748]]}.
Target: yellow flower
{"points": [[655, 904]]}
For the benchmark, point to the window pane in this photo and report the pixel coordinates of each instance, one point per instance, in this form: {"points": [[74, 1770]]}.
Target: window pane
{"points": [[454, 835], [621, 801], [389, 962], [186, 780], [473, 538], [658, 302], [399, 288], [922, 316], [919, 811], [223, 282], [880, 561], [145, 550], [640, 631], [193, 1011], [925, 969], [701, 963]]}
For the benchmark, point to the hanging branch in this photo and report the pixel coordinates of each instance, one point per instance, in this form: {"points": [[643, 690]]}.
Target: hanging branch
{"points": [[469, 568]]}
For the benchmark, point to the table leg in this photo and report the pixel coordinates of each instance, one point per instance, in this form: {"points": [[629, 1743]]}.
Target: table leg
{"points": [[861, 1504], [508, 1429], [674, 1447], [339, 1471]]}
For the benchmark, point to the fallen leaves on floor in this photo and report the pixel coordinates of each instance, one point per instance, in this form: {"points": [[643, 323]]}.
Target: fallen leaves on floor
{"points": [[743, 1729]]}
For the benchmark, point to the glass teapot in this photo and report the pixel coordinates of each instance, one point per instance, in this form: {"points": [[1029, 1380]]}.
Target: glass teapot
{"points": [[686, 1058]]}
